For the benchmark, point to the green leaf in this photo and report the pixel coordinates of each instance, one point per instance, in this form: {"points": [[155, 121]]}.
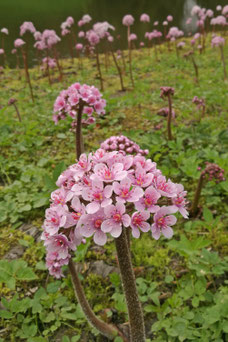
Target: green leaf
{"points": [[207, 215], [26, 274], [6, 314], [53, 287]]}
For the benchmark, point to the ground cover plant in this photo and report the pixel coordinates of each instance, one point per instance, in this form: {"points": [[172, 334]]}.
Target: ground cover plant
{"points": [[181, 282]]}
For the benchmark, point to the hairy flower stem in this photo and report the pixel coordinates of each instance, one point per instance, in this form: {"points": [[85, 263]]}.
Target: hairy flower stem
{"points": [[197, 196], [24, 55], [119, 70], [137, 329], [169, 118], [48, 69], [105, 329], [196, 69], [17, 111], [78, 131], [58, 65], [223, 63], [129, 56], [99, 70]]}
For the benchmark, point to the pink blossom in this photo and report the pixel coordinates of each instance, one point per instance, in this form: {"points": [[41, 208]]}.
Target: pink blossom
{"points": [[127, 192], [217, 41], [60, 244], [5, 30], [2, 51], [128, 20], [91, 225], [132, 37], [116, 217], [165, 188], [98, 196], [106, 174], [148, 201], [218, 8], [225, 10], [165, 23], [18, 43], [27, 26], [145, 18], [162, 223], [169, 18], [81, 34], [138, 222], [179, 201], [156, 23], [55, 219]]}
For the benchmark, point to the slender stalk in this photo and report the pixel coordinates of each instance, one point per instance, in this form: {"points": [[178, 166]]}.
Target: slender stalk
{"points": [[58, 64], [169, 119], [78, 131], [119, 70], [99, 70], [123, 60], [196, 69], [197, 196], [105, 329], [137, 329], [129, 55], [70, 42], [223, 62], [48, 70], [17, 111], [24, 55]]}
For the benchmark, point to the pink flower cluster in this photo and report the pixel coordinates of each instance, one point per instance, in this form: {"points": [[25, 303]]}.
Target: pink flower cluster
{"points": [[85, 20], [18, 43], [48, 62], [128, 20], [213, 172], [145, 18], [165, 111], [166, 91], [104, 193], [66, 25], [174, 33], [199, 102], [46, 40], [217, 41], [67, 103], [220, 20], [124, 145], [27, 26], [153, 34]]}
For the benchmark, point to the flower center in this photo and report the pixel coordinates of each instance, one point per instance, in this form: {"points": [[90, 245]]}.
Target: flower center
{"points": [[98, 196], [124, 193], [137, 220], [161, 221], [107, 174], [97, 223], [148, 201], [76, 216], [117, 217]]}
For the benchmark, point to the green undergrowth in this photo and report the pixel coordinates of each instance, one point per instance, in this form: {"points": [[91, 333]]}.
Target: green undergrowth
{"points": [[182, 282]]}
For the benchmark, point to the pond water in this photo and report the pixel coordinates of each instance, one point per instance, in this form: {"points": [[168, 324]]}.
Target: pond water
{"points": [[51, 13]]}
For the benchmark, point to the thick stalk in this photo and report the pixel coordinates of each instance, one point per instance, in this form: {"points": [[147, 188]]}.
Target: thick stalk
{"points": [[137, 329], [99, 70], [105, 329], [78, 131], [119, 70], [223, 62], [17, 111], [24, 55], [197, 196], [169, 118]]}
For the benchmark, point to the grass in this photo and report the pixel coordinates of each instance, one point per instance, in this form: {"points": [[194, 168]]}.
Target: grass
{"points": [[181, 282]]}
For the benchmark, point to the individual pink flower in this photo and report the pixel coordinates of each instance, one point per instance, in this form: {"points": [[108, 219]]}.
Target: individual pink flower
{"points": [[91, 225], [55, 219], [165, 188], [140, 177], [179, 201], [148, 201], [126, 191], [162, 223], [106, 174], [128, 20], [116, 217], [138, 222], [79, 46], [98, 196], [60, 244]]}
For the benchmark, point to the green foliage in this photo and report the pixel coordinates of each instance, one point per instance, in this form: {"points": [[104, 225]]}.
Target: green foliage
{"points": [[181, 283]]}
